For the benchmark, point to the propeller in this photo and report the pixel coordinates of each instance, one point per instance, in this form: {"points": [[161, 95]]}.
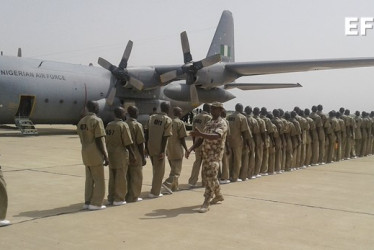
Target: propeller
{"points": [[190, 68], [120, 73]]}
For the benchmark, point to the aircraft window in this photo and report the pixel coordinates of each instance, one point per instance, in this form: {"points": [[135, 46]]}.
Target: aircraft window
{"points": [[46, 100], [61, 101]]}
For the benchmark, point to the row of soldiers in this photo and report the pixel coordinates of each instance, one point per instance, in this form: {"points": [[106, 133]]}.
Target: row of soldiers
{"points": [[262, 143]]}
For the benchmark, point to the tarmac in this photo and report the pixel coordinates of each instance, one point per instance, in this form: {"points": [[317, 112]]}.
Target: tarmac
{"points": [[323, 207]]}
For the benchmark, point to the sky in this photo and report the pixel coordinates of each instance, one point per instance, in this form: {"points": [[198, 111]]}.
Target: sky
{"points": [[80, 31]]}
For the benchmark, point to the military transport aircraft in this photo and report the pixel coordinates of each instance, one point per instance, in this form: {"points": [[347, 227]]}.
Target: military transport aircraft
{"points": [[55, 93]]}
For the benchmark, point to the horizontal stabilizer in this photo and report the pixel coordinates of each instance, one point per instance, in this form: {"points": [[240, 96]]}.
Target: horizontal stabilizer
{"points": [[255, 86]]}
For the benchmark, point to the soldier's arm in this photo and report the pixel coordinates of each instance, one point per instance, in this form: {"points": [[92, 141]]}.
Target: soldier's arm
{"points": [[197, 144], [100, 142]]}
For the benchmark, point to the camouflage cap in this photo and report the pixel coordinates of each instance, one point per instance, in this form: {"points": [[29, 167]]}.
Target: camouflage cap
{"points": [[217, 105]]}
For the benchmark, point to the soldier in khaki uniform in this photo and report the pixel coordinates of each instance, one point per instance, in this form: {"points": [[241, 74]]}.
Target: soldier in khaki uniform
{"points": [[358, 133], [304, 125], [350, 126], [340, 137], [224, 174], [280, 144], [315, 135], [260, 141], [3, 201], [255, 129], [135, 171], [332, 132], [213, 142], [239, 136], [296, 140], [174, 152], [284, 139], [118, 143], [289, 133], [92, 136], [322, 136], [158, 131], [268, 141], [365, 133], [309, 139], [199, 122], [273, 146]]}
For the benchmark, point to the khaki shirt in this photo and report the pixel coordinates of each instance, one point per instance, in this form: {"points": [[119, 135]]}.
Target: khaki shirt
{"points": [[118, 137], [238, 125], [304, 125], [137, 135], [358, 122], [175, 148], [253, 125], [89, 128], [159, 125], [213, 149]]}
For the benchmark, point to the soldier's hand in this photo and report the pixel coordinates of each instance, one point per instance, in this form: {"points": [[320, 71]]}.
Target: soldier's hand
{"points": [[162, 156], [106, 161], [144, 161], [187, 153]]}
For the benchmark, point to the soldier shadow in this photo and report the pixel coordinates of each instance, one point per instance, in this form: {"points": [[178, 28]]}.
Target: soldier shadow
{"points": [[36, 214], [170, 213]]}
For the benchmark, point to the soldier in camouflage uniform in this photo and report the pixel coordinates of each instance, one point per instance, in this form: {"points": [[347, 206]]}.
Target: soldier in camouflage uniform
{"points": [[212, 140]]}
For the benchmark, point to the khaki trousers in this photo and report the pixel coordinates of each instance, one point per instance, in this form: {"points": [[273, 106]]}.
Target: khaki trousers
{"points": [[225, 171], [265, 161], [3, 197], [235, 161], [259, 153], [134, 181], [245, 163], [175, 172], [117, 187], [196, 167], [95, 185], [158, 167], [322, 150], [252, 160]]}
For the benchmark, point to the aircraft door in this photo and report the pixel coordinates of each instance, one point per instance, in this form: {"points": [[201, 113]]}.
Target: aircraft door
{"points": [[26, 105]]}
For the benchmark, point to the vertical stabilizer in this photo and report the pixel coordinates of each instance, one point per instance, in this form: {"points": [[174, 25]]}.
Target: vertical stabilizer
{"points": [[223, 40]]}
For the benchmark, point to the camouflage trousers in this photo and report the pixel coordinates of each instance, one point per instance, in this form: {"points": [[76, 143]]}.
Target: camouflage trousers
{"points": [[210, 169]]}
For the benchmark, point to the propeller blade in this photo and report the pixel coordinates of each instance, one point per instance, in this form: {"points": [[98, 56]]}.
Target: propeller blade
{"points": [[111, 95], [126, 55], [168, 76], [19, 54], [104, 63], [211, 60], [139, 85], [193, 95], [186, 47]]}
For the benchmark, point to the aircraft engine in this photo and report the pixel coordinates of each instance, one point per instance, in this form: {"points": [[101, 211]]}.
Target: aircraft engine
{"points": [[106, 110], [181, 92]]}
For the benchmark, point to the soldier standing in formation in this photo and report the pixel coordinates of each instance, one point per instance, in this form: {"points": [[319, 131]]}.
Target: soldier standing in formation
{"points": [[135, 171], [118, 141], [175, 152], [94, 153], [158, 131], [3, 201]]}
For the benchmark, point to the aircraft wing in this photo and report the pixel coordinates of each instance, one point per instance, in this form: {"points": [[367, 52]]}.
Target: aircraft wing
{"points": [[255, 86], [275, 67]]}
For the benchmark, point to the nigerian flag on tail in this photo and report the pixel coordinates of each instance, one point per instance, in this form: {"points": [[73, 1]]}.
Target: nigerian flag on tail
{"points": [[225, 50]]}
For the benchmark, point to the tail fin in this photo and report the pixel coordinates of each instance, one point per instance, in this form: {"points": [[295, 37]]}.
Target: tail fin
{"points": [[223, 40]]}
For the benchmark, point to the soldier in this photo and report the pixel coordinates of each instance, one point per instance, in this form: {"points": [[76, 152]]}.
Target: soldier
{"points": [[284, 139], [260, 141], [365, 133], [319, 131], [92, 136], [274, 147], [333, 131], [322, 136], [350, 130], [280, 143], [175, 151], [309, 139], [343, 132], [135, 171], [255, 129], [289, 133], [118, 143], [268, 141], [158, 131], [199, 122], [3, 201], [225, 166], [358, 133], [304, 125], [372, 133], [296, 140], [239, 135], [212, 140]]}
